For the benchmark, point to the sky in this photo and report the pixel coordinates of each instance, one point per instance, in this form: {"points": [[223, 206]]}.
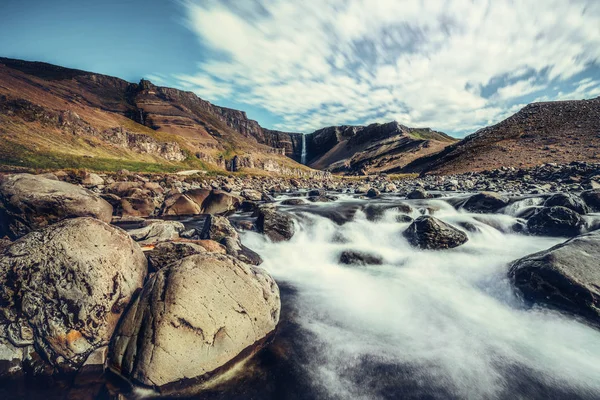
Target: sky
{"points": [[452, 65]]}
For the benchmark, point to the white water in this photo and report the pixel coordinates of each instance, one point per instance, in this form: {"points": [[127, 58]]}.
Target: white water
{"points": [[450, 317], [303, 154]]}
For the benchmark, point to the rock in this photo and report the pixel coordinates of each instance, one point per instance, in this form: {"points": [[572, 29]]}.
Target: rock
{"points": [[418, 194], [485, 202], [167, 253], [63, 289], [316, 193], [92, 179], [190, 234], [276, 225], [352, 257], [217, 228], [319, 199], [372, 193], [30, 202], [592, 199], [157, 231], [293, 202], [428, 232], [252, 195], [567, 200], [565, 277], [403, 218], [194, 320], [555, 221], [201, 201]]}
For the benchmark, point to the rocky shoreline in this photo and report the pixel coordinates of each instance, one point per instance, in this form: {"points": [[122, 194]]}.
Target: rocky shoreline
{"points": [[175, 310]]}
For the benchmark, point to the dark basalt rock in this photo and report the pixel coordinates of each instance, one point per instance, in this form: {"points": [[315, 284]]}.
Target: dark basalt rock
{"points": [[373, 193], [430, 233], [276, 225], [316, 193], [555, 221], [592, 199], [569, 201], [485, 202], [352, 257], [565, 277], [418, 194]]}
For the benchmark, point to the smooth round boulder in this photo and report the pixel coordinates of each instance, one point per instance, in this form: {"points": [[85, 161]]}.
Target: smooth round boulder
{"points": [[486, 202], [275, 225], [373, 193], [555, 221], [567, 200], [201, 201], [430, 233], [63, 289], [565, 277], [194, 320], [31, 202], [418, 194]]}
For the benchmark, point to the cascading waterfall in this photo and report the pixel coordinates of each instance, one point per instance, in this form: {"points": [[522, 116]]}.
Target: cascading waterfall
{"points": [[303, 154]]}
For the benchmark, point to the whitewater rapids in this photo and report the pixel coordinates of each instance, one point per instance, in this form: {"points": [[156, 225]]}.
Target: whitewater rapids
{"points": [[427, 324]]}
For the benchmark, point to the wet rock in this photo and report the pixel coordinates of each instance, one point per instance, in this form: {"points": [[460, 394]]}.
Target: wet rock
{"points": [[373, 193], [565, 277], [276, 225], [352, 257], [485, 202], [320, 199], [428, 232], [402, 218], [592, 199], [217, 228], [293, 202], [418, 194], [157, 231], [193, 321], [316, 193], [167, 253], [252, 195], [567, 200], [555, 221], [63, 289], [30, 202]]}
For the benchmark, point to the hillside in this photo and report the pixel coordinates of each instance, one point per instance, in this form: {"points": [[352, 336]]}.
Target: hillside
{"points": [[551, 132], [55, 117], [371, 149]]}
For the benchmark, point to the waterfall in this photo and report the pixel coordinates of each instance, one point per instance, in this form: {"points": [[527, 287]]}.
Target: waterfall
{"points": [[303, 154]]}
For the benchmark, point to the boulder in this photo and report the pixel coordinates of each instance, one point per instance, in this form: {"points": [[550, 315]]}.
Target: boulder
{"points": [[316, 193], [486, 202], [252, 195], [293, 202], [30, 202], [567, 200], [418, 194], [92, 179], [201, 201], [217, 228], [592, 199], [565, 277], [63, 289], [167, 253], [276, 225], [193, 321], [555, 221], [157, 231], [352, 257], [372, 193], [430, 233]]}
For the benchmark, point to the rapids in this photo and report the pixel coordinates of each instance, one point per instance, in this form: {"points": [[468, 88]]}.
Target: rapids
{"points": [[426, 324]]}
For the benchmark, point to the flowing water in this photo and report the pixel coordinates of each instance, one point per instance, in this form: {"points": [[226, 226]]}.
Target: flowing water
{"points": [[303, 153], [426, 324]]}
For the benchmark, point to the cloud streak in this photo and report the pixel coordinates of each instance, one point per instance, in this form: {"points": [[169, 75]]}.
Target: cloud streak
{"points": [[423, 63]]}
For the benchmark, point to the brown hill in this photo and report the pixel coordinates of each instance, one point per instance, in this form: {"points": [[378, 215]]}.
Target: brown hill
{"points": [[55, 117], [371, 149], [551, 132]]}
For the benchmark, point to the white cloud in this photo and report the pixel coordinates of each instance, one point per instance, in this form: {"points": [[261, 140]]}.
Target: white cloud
{"points": [[317, 63]]}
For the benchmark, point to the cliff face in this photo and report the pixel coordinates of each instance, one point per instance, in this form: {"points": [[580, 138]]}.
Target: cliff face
{"points": [[369, 149], [552, 132]]}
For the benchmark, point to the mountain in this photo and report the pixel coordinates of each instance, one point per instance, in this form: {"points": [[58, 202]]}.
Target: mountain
{"points": [[549, 132], [371, 149], [55, 117]]}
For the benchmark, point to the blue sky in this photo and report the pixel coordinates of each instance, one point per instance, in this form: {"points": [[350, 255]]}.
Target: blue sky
{"points": [[453, 65]]}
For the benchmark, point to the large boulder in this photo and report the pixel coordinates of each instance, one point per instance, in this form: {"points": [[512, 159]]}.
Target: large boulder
{"points": [[430, 233], [555, 221], [63, 289], [157, 231], [201, 201], [566, 276], [276, 225], [418, 194], [486, 202], [30, 202], [592, 199], [194, 320], [567, 200], [167, 253]]}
